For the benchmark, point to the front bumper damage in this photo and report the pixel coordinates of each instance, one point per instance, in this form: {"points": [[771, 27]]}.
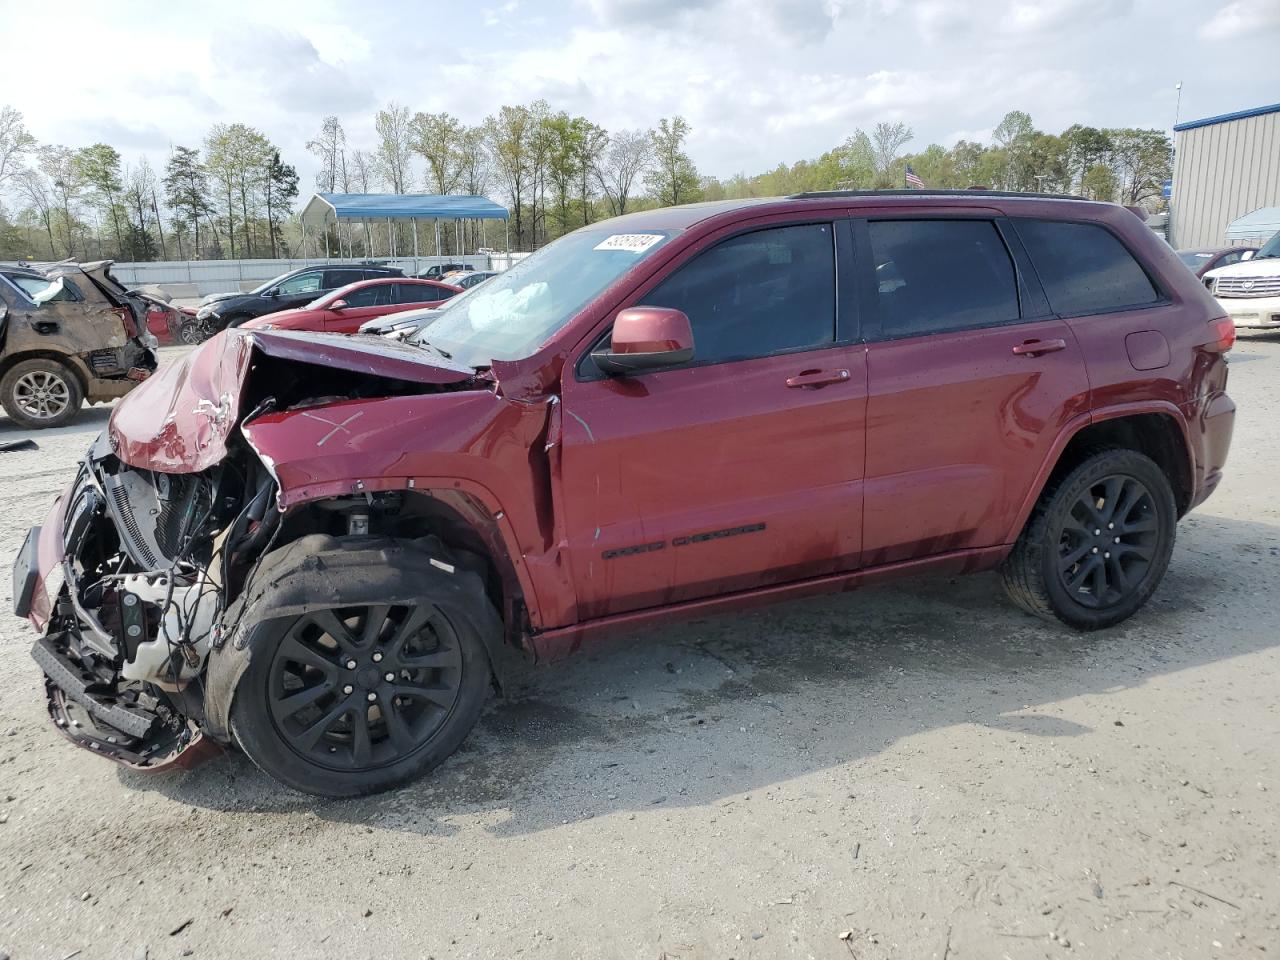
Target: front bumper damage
{"points": [[86, 640]]}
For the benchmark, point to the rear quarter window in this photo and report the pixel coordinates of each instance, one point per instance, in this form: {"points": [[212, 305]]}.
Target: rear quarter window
{"points": [[1084, 267]]}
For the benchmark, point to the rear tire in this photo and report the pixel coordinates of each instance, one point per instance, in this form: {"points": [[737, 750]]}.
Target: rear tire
{"points": [[1097, 544], [40, 393]]}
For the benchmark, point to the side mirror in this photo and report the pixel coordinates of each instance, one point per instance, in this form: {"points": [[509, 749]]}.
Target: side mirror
{"points": [[339, 305], [1247, 255], [645, 338]]}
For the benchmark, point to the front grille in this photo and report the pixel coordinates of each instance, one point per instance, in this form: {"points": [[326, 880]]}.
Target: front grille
{"points": [[1247, 286]]}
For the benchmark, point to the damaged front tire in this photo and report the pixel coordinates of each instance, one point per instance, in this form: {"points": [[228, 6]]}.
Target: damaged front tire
{"points": [[360, 695]]}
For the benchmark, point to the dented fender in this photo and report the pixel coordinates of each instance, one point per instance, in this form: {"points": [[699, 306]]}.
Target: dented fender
{"points": [[495, 451]]}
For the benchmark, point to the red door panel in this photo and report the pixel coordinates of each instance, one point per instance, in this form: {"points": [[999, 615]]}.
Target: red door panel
{"points": [[707, 480], [349, 320], [958, 424]]}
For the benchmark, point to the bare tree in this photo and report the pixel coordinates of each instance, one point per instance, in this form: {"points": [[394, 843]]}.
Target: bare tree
{"points": [[14, 143], [394, 151], [887, 139], [33, 185], [330, 146], [623, 162]]}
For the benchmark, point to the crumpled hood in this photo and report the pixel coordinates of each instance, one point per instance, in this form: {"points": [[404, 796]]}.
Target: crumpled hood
{"points": [[220, 297], [179, 420]]}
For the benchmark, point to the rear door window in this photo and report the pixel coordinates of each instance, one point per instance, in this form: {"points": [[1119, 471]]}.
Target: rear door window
{"points": [[937, 275], [761, 293], [378, 296], [1084, 267], [333, 279], [417, 293]]}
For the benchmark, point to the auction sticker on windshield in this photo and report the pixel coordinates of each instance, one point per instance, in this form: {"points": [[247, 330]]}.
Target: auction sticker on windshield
{"points": [[629, 242]]}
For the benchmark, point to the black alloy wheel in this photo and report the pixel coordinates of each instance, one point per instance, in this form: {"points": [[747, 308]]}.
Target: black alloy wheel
{"points": [[1098, 542], [359, 688], [1108, 541]]}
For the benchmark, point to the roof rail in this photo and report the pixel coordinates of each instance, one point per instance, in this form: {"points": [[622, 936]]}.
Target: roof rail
{"points": [[828, 194]]}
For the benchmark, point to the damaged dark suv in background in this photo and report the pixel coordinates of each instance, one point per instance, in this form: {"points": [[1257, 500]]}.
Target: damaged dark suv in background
{"points": [[318, 547], [69, 334]]}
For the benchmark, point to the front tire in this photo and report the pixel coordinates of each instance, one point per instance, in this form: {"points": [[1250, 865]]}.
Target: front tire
{"points": [[40, 393], [190, 333], [1097, 544]]}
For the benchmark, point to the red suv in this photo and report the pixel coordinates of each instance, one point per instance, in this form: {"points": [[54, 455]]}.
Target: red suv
{"points": [[318, 547]]}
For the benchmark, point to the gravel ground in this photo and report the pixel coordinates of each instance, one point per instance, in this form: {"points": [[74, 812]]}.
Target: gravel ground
{"points": [[911, 771]]}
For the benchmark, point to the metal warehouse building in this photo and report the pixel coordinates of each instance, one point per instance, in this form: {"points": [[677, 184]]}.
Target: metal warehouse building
{"points": [[1224, 167]]}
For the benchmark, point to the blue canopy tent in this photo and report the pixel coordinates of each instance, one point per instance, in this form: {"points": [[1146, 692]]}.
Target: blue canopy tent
{"points": [[324, 209]]}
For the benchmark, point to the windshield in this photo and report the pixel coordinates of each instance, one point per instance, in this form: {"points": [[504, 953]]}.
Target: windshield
{"points": [[1193, 259], [1269, 249], [512, 314]]}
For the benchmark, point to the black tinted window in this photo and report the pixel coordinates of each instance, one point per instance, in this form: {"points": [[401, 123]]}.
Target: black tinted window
{"points": [[417, 293], [1084, 268], [757, 294], [378, 296], [333, 279], [938, 275]]}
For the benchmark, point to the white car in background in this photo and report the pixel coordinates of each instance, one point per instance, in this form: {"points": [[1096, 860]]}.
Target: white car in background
{"points": [[1249, 291]]}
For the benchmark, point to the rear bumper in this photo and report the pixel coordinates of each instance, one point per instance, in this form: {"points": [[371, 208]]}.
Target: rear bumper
{"points": [[1252, 313], [133, 363], [1210, 426]]}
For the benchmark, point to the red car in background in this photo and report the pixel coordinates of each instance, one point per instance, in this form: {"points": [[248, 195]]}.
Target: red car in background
{"points": [[344, 309]]}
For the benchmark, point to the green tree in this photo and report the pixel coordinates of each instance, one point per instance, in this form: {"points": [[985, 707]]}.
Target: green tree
{"points": [[1098, 183], [137, 198], [281, 190], [1141, 161], [99, 167], [508, 134], [186, 190], [437, 137], [238, 156], [673, 178]]}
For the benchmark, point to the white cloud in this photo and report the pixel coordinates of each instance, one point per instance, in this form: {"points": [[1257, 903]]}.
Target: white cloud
{"points": [[761, 81], [1238, 18]]}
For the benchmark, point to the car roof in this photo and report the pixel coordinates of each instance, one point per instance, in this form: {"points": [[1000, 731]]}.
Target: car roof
{"points": [[683, 217]]}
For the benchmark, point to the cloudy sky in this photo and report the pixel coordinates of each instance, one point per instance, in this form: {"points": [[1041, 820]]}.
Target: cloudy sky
{"points": [[760, 81]]}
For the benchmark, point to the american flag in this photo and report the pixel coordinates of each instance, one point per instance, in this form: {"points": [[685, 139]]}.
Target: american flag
{"points": [[913, 180]]}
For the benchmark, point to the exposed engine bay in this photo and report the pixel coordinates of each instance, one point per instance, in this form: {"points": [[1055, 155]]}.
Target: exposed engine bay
{"points": [[146, 565], [151, 560]]}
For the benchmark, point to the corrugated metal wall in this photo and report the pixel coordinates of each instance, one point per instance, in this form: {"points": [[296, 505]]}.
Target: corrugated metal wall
{"points": [[1223, 171]]}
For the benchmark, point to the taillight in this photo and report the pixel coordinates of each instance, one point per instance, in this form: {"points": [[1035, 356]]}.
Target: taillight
{"points": [[1224, 335], [126, 318]]}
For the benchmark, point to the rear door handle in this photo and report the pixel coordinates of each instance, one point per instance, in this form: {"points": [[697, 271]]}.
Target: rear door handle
{"points": [[817, 378], [1033, 348]]}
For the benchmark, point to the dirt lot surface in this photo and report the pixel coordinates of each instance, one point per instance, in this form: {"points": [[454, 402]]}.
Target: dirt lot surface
{"points": [[915, 771]]}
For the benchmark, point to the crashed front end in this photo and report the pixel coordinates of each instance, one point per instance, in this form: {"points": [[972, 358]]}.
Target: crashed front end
{"points": [[126, 580], [130, 577]]}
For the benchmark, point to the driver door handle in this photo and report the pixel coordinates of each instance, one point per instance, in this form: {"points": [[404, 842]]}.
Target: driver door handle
{"points": [[1033, 348], [817, 378]]}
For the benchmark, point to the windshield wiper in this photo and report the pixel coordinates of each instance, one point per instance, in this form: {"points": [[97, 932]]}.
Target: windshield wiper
{"points": [[431, 346]]}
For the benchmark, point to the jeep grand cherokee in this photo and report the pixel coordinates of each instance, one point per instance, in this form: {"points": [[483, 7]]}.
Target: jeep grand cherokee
{"points": [[316, 547]]}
